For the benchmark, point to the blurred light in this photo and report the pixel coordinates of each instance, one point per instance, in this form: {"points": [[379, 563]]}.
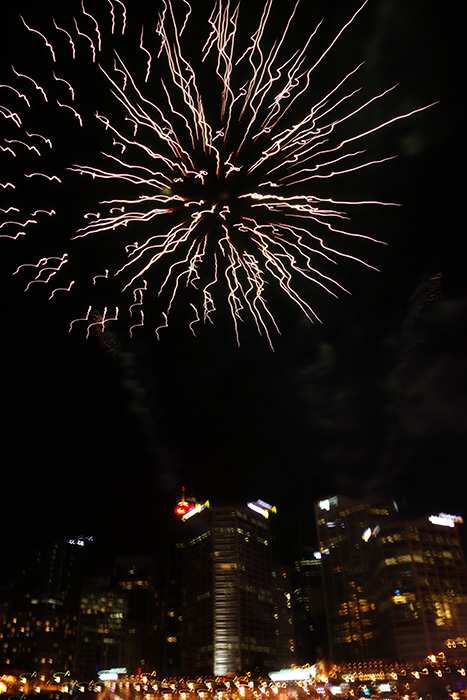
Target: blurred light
{"points": [[370, 533], [445, 519], [327, 503], [197, 508], [399, 599], [182, 508], [262, 508], [291, 674]]}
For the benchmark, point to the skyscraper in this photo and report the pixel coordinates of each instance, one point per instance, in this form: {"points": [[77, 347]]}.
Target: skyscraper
{"points": [[423, 594], [348, 563], [309, 610], [99, 643], [228, 606], [395, 588], [284, 623], [38, 622], [120, 619]]}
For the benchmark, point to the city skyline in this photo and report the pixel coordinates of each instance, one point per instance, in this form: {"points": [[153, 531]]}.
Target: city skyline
{"points": [[99, 436], [382, 587]]}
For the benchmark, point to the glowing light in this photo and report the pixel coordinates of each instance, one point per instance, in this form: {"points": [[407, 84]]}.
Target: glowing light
{"points": [[183, 508], [224, 194], [291, 674], [369, 532], [262, 508], [197, 508], [327, 503], [111, 674], [445, 519], [80, 542]]}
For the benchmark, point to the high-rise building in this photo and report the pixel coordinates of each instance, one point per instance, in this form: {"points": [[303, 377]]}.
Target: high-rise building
{"points": [[173, 619], [309, 610], [100, 629], [348, 569], [284, 623], [120, 619], [228, 604], [395, 588], [38, 622], [422, 599], [136, 576]]}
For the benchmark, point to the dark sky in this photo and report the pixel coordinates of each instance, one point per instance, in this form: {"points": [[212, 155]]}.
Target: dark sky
{"points": [[99, 435]]}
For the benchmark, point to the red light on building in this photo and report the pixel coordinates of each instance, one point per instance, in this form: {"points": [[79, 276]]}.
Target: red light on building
{"points": [[183, 506]]}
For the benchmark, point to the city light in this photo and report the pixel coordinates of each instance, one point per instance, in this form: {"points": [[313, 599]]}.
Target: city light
{"points": [[262, 508], [291, 674], [182, 508], [445, 519], [112, 674], [197, 508], [327, 503]]}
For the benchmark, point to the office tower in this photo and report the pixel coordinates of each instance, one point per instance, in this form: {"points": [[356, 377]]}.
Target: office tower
{"points": [[284, 624], [228, 604], [348, 566], [136, 577], [395, 588], [38, 622], [120, 620], [309, 609], [173, 597], [99, 643], [422, 599]]}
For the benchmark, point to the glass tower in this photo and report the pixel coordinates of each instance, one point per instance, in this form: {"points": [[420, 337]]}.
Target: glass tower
{"points": [[395, 588], [228, 607]]}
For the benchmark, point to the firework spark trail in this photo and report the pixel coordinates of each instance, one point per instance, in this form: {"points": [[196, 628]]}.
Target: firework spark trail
{"points": [[230, 193]]}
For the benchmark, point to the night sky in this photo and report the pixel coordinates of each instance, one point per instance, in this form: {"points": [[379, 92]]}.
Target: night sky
{"points": [[100, 435]]}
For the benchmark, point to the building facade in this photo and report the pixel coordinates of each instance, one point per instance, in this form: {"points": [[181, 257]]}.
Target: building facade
{"points": [[423, 587], [100, 627], [309, 609], [395, 588], [39, 613], [120, 620], [284, 622], [228, 602]]}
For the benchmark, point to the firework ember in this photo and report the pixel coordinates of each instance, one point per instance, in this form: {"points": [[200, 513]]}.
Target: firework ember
{"points": [[207, 168]]}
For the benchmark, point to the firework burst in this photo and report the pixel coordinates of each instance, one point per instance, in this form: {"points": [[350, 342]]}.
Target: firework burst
{"points": [[207, 167]]}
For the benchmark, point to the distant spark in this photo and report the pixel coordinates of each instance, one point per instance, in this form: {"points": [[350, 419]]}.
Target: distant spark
{"points": [[221, 183]]}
